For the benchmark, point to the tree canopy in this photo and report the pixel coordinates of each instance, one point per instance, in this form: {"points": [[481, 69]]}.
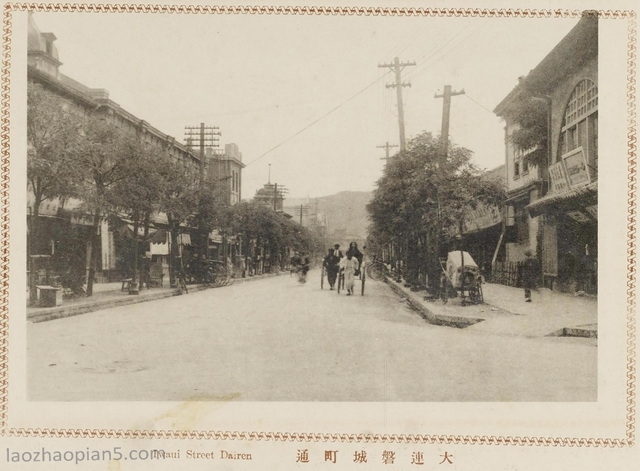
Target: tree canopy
{"points": [[422, 196]]}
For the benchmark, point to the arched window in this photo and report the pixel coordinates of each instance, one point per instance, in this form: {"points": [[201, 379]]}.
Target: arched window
{"points": [[580, 125]]}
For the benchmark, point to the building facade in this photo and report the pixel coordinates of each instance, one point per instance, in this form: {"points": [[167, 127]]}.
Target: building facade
{"points": [[65, 223], [552, 207]]}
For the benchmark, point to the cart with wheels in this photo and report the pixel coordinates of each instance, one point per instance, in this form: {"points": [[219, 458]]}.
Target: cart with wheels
{"points": [[464, 276], [340, 281]]}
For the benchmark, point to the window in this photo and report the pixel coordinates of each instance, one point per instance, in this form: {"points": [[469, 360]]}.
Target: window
{"points": [[580, 124], [516, 168]]}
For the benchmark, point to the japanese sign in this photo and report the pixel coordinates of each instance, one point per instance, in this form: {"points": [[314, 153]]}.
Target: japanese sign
{"points": [[558, 177], [576, 168]]}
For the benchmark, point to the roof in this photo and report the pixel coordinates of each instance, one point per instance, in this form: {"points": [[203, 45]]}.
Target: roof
{"points": [[586, 195], [578, 47], [37, 41]]}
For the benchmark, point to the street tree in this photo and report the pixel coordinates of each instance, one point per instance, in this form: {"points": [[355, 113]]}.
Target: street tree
{"points": [[100, 162], [138, 194], [422, 200], [52, 135], [180, 189], [272, 233], [212, 211], [531, 134]]}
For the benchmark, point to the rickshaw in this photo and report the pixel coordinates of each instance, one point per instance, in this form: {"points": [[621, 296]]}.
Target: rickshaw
{"points": [[460, 274], [362, 277]]}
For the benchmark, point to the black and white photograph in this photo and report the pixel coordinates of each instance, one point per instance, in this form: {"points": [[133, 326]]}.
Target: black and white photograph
{"points": [[257, 209], [326, 221]]}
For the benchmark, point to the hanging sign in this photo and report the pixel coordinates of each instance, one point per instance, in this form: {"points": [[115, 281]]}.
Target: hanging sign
{"points": [[558, 177], [576, 167]]}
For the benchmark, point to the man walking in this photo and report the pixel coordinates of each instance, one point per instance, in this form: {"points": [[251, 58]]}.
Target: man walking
{"points": [[331, 267], [529, 274]]}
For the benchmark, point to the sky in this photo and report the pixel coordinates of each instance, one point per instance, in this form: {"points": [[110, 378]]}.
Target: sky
{"points": [[304, 97]]}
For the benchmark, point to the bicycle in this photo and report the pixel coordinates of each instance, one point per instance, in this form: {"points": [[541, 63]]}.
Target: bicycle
{"points": [[377, 270]]}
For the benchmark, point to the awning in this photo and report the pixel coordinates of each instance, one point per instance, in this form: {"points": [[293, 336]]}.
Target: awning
{"points": [[152, 231], [215, 237], [578, 197], [184, 239], [523, 192], [159, 237]]}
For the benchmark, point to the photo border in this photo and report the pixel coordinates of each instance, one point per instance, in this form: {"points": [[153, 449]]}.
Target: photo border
{"points": [[5, 121]]}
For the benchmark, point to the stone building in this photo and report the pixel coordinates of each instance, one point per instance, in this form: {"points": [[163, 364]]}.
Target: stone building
{"points": [[63, 218], [552, 207]]}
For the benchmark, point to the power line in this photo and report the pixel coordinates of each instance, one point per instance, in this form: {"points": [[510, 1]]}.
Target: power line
{"points": [[426, 65], [317, 120], [480, 104]]}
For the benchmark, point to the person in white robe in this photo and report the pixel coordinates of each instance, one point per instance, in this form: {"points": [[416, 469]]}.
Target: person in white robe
{"points": [[349, 265]]}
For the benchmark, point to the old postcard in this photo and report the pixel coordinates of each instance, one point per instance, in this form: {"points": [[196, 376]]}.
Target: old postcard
{"points": [[355, 235]]}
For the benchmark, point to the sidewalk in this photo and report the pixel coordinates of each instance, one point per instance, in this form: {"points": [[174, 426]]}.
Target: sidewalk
{"points": [[108, 295], [505, 312]]}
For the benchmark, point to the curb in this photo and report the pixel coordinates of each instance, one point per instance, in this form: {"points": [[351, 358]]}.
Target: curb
{"points": [[62, 312], [575, 332], [462, 322], [428, 315]]}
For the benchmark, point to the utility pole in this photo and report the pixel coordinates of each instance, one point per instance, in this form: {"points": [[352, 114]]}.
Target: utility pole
{"points": [[303, 209], [386, 147], [275, 197], [398, 67], [205, 136], [446, 112]]}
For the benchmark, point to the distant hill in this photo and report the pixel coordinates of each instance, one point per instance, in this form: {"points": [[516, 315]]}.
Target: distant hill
{"points": [[344, 213]]}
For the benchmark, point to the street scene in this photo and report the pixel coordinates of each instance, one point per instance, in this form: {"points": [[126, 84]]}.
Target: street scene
{"points": [[413, 217], [245, 343]]}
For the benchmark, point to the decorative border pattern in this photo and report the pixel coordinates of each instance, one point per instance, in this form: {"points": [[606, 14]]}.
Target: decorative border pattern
{"points": [[5, 121], [631, 230], [629, 441]]}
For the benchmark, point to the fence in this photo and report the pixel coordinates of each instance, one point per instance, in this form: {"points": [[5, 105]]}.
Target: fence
{"points": [[507, 273]]}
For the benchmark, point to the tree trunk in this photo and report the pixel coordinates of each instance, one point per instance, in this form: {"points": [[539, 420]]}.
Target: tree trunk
{"points": [[133, 287], [174, 255], [93, 251], [144, 275], [33, 242]]}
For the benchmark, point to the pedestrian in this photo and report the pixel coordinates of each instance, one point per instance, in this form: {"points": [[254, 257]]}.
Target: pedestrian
{"points": [[303, 267], [349, 265], [330, 264], [337, 252], [353, 250], [529, 274]]}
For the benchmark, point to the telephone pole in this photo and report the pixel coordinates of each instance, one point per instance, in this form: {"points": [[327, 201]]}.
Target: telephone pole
{"points": [[303, 209], [386, 147], [398, 67], [446, 112], [206, 137]]}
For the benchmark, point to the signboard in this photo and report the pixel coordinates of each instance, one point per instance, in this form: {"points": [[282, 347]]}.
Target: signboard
{"points": [[593, 211], [576, 167], [558, 177], [481, 218]]}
